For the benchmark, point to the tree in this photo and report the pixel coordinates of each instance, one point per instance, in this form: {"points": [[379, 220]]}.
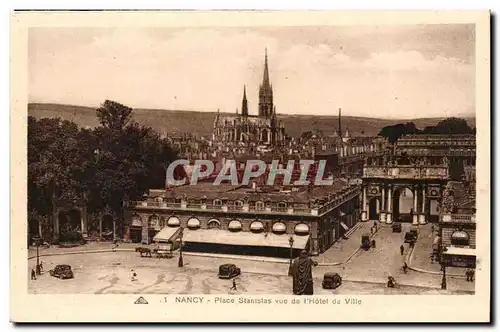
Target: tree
{"points": [[453, 126], [113, 115], [106, 164], [393, 133]]}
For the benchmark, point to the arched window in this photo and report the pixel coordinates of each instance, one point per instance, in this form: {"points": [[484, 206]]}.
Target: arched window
{"points": [[235, 226], [460, 238], [193, 223], [173, 222], [302, 229], [238, 203], [213, 224], [279, 228], [259, 205], [217, 202], [256, 227]]}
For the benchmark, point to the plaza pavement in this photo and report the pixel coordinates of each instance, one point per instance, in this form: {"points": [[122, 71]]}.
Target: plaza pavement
{"points": [[111, 272], [354, 265]]}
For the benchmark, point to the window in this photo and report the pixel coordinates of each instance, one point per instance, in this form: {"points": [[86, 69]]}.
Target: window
{"points": [[217, 202], [238, 203], [213, 224], [259, 205], [460, 238]]}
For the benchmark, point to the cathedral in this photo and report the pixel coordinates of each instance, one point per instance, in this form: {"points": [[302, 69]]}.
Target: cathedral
{"points": [[248, 129]]}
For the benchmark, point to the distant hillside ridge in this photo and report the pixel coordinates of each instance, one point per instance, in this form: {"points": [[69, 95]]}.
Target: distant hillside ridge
{"points": [[178, 121]]}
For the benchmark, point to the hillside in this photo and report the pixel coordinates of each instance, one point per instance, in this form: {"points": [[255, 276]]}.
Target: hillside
{"points": [[170, 121]]}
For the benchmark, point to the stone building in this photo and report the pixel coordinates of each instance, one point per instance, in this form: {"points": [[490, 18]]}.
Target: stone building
{"points": [[248, 129], [256, 220]]}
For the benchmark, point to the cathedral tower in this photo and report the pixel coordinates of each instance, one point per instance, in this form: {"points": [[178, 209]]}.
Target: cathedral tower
{"points": [[266, 93]]}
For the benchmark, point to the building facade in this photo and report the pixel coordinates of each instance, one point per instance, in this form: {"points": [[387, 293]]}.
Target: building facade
{"points": [[243, 219]]}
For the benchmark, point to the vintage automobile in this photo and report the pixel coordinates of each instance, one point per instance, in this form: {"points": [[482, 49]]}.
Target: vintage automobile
{"points": [[228, 271], [396, 228], [411, 236], [331, 280], [365, 241], [62, 272]]}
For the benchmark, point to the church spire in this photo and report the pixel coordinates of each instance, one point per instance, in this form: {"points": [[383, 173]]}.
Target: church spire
{"points": [[266, 93], [244, 103], [265, 81]]}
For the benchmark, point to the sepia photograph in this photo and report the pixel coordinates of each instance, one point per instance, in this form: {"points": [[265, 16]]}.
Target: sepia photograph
{"points": [[227, 164]]}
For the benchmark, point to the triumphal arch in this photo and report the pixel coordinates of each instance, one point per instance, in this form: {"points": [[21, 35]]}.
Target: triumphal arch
{"points": [[420, 183]]}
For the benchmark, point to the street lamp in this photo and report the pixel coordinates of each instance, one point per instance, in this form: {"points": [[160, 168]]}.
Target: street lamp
{"points": [[443, 280], [290, 240], [37, 243], [181, 261]]}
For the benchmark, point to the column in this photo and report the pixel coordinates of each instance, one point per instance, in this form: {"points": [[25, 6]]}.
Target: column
{"points": [[415, 205], [382, 214], [388, 219], [422, 215], [364, 215]]}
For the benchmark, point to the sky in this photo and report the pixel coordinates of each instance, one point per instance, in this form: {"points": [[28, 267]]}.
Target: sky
{"points": [[401, 72]]}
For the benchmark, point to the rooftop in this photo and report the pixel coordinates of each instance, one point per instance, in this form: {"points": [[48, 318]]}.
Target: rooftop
{"points": [[210, 191]]}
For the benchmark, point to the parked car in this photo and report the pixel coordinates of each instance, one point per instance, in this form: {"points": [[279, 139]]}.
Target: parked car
{"points": [[396, 228], [228, 271], [331, 280], [62, 272]]}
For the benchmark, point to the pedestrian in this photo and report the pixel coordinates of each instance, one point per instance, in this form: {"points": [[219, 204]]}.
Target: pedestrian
{"points": [[402, 249], [134, 274], [373, 244], [375, 225], [234, 285], [405, 268], [38, 271], [33, 274], [41, 267], [371, 230]]}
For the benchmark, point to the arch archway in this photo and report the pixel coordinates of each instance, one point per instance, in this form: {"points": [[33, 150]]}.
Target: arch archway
{"points": [[403, 204], [373, 209]]}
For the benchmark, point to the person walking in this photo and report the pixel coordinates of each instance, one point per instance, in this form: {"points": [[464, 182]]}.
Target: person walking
{"points": [[402, 249], [234, 285], [373, 244], [33, 274], [405, 268], [41, 267]]}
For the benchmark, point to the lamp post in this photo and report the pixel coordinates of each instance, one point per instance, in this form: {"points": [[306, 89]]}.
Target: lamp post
{"points": [[37, 243], [443, 280], [290, 240], [181, 261]]}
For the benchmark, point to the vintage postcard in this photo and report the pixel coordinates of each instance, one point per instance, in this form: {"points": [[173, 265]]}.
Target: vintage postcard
{"points": [[250, 166]]}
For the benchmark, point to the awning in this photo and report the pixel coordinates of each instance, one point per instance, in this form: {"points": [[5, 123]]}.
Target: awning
{"points": [[165, 234], [220, 236], [344, 226], [460, 251]]}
